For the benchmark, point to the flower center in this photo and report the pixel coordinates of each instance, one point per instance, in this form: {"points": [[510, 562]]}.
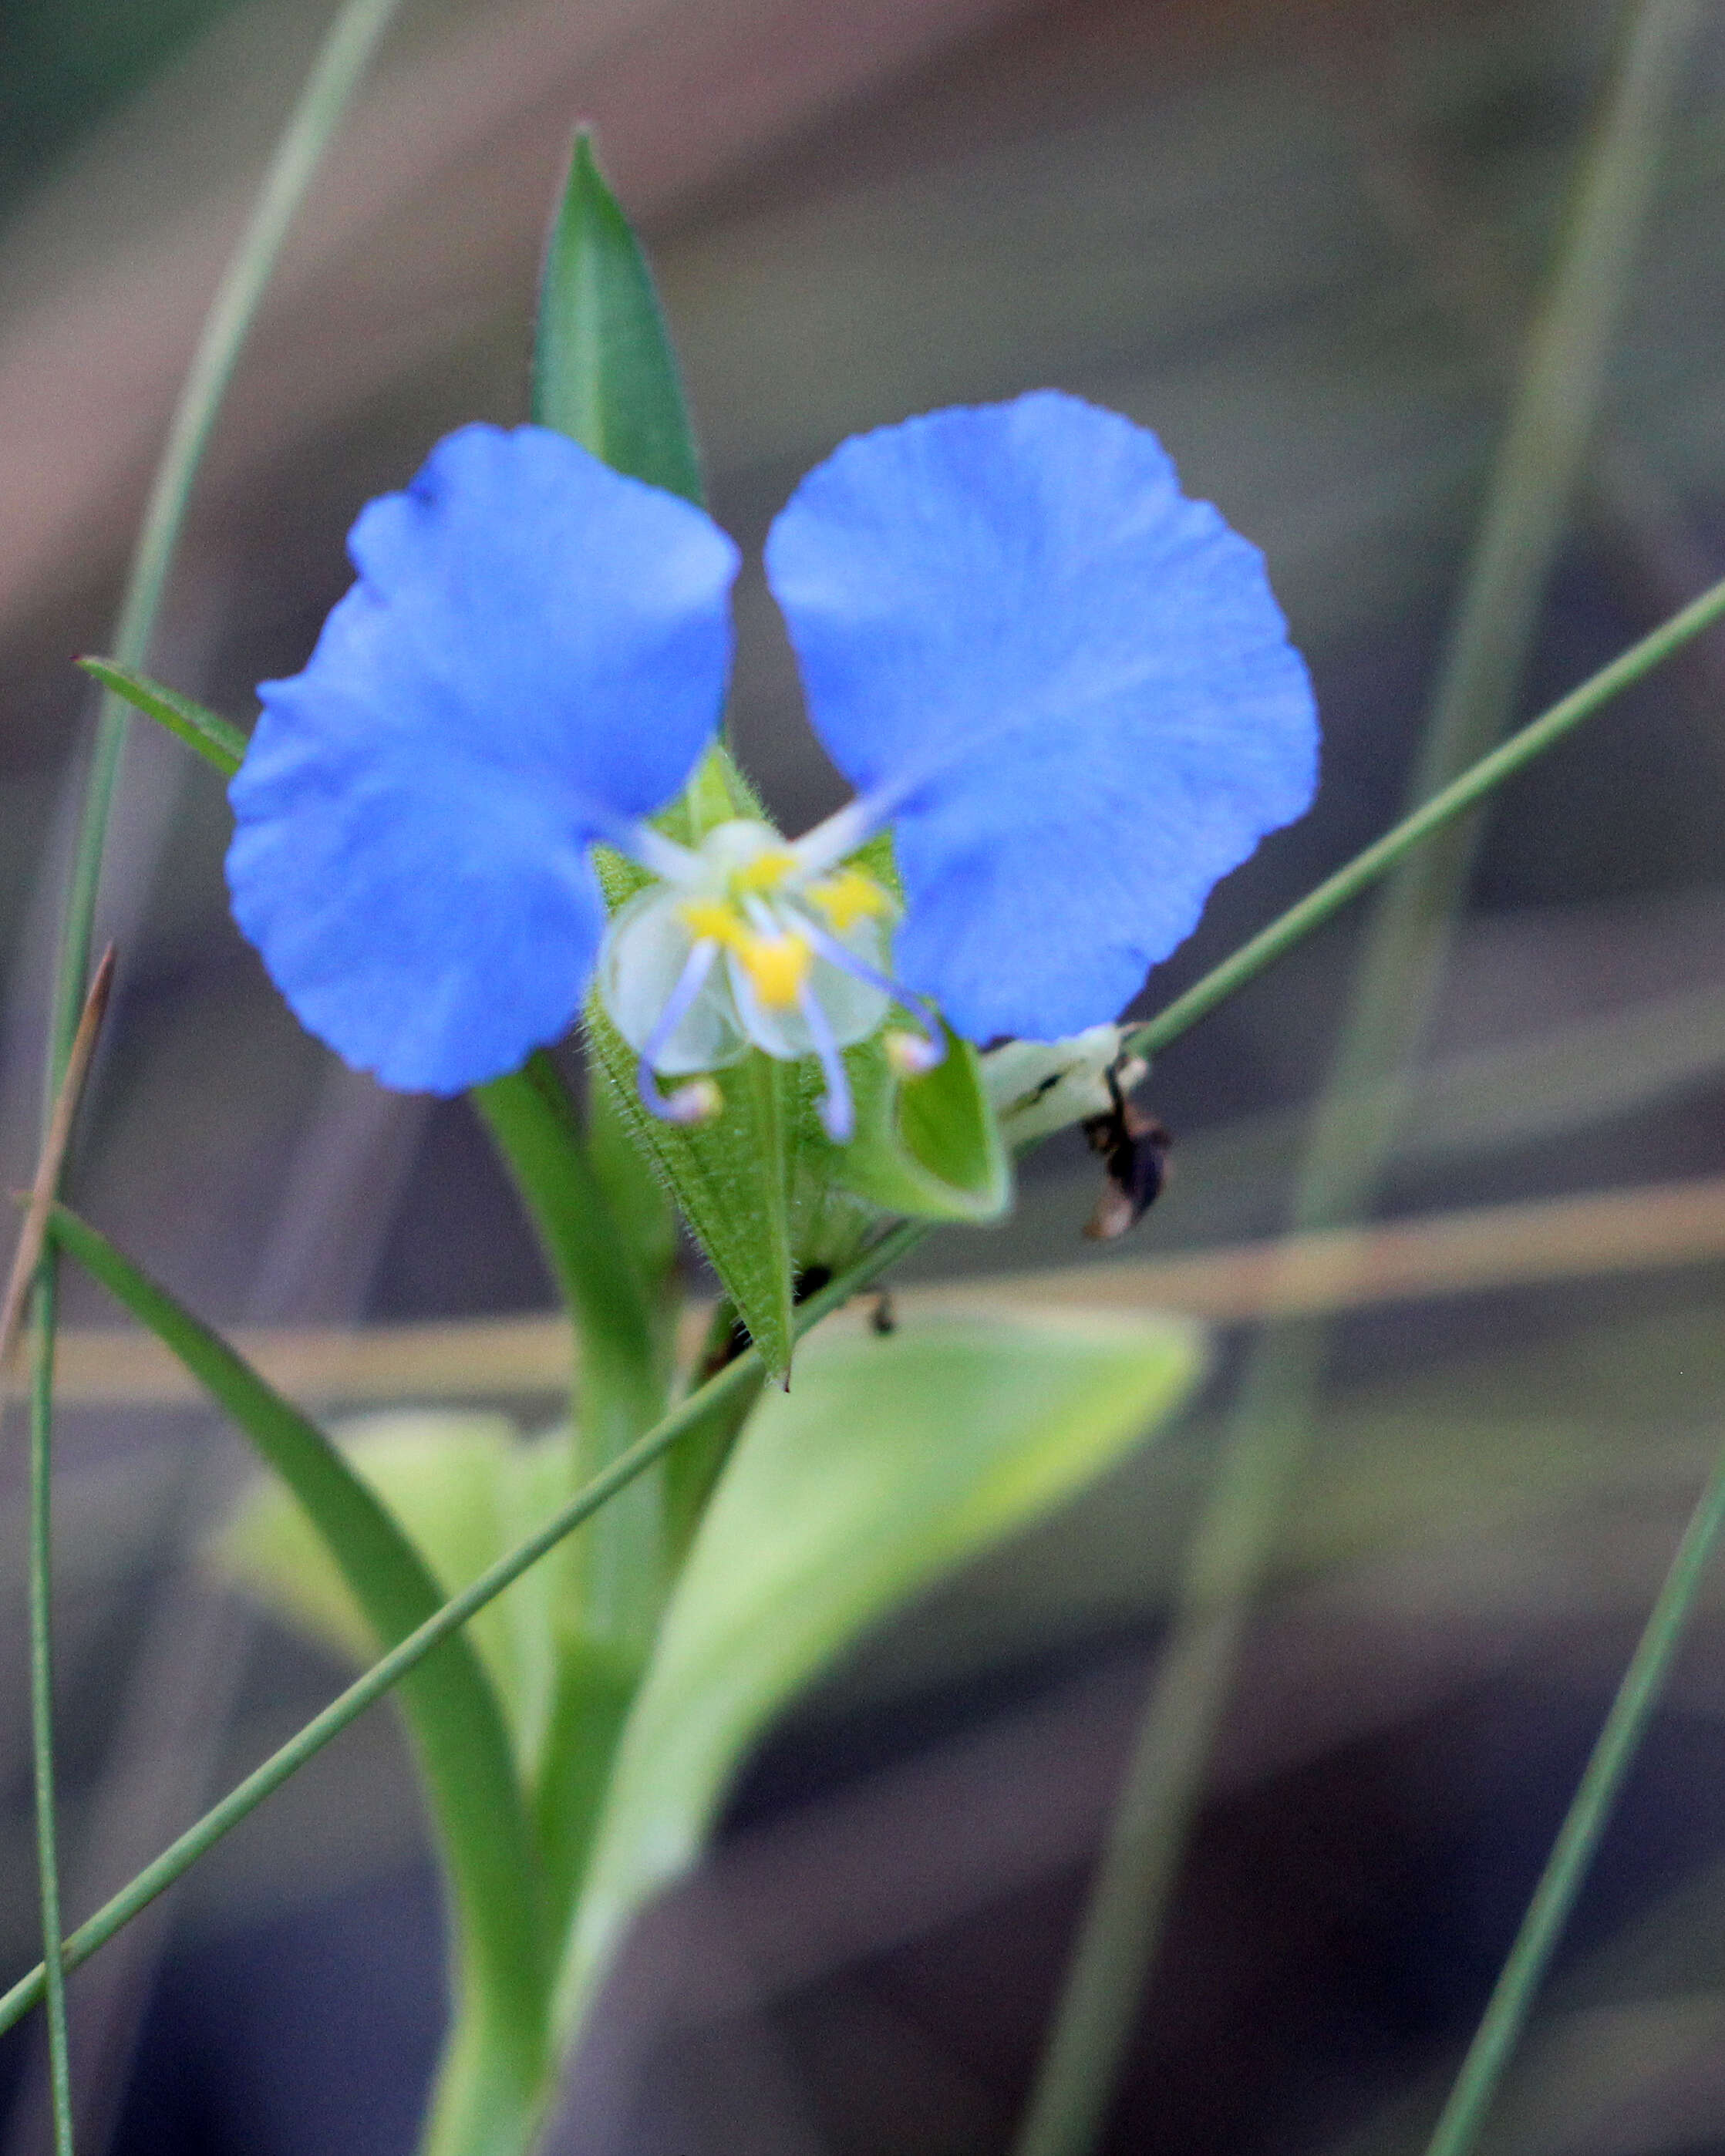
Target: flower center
{"points": [[748, 942], [776, 959]]}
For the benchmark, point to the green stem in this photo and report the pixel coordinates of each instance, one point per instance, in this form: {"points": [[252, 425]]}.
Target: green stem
{"points": [[339, 65], [1273, 1416], [538, 1132], [48, 1867], [389, 1671], [336, 74], [1578, 1839]]}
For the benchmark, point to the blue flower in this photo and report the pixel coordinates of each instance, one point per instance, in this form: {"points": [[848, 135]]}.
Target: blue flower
{"points": [[1065, 688]]}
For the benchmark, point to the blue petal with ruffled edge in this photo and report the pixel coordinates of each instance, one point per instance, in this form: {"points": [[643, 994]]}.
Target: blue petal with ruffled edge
{"points": [[1069, 685], [535, 650]]}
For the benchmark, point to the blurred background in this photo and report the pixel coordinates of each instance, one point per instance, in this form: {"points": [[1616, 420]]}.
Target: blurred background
{"points": [[1302, 242]]}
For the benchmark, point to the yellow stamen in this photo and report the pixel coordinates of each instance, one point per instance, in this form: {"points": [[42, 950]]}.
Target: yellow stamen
{"points": [[778, 966], [848, 897], [766, 872], [711, 920]]}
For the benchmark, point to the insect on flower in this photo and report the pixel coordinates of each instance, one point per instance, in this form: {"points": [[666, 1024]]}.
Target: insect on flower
{"points": [[1065, 689]]}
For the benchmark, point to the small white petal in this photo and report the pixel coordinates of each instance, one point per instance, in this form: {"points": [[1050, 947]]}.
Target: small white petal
{"points": [[646, 947]]}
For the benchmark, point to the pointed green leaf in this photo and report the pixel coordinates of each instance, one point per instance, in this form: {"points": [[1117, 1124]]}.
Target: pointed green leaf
{"points": [[217, 740], [928, 1147], [603, 369], [451, 1710], [729, 1179], [888, 1464]]}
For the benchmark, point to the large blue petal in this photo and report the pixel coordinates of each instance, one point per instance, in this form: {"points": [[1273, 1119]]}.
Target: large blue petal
{"points": [[1072, 685], [537, 648]]}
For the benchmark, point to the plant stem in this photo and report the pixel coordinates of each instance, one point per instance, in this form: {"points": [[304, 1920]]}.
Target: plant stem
{"points": [[1578, 1839], [618, 1583], [1271, 1424], [335, 75], [48, 1868], [339, 65], [26, 1269]]}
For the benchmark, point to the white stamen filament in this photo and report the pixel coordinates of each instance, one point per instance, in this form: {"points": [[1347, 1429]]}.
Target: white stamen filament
{"points": [[918, 1007], [838, 1112], [689, 1103]]}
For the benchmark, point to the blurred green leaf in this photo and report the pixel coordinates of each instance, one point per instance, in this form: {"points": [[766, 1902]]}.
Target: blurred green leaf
{"points": [[603, 369], [217, 740], [451, 1710], [465, 1489], [891, 1463]]}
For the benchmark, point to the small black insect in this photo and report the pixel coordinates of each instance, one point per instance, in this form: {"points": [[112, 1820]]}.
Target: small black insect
{"points": [[1134, 1146]]}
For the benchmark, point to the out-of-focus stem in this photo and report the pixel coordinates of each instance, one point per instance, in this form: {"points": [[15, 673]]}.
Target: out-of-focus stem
{"points": [[335, 74], [1353, 1128]]}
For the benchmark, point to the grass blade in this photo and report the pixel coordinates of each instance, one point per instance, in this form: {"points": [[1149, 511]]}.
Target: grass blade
{"points": [[339, 64], [1353, 1128], [217, 740], [452, 1711], [26, 1267], [1505, 2016]]}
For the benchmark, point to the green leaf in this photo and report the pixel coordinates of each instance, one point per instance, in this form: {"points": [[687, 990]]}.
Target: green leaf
{"points": [[928, 1147], [217, 740], [890, 1463], [451, 1710], [603, 369], [463, 1488], [729, 1179], [645, 1216]]}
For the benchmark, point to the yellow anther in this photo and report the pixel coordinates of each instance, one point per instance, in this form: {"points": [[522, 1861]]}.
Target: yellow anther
{"points": [[712, 920], [766, 872], [778, 966], [848, 897]]}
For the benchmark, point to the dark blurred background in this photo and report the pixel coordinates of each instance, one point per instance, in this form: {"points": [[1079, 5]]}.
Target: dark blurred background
{"points": [[1301, 242]]}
